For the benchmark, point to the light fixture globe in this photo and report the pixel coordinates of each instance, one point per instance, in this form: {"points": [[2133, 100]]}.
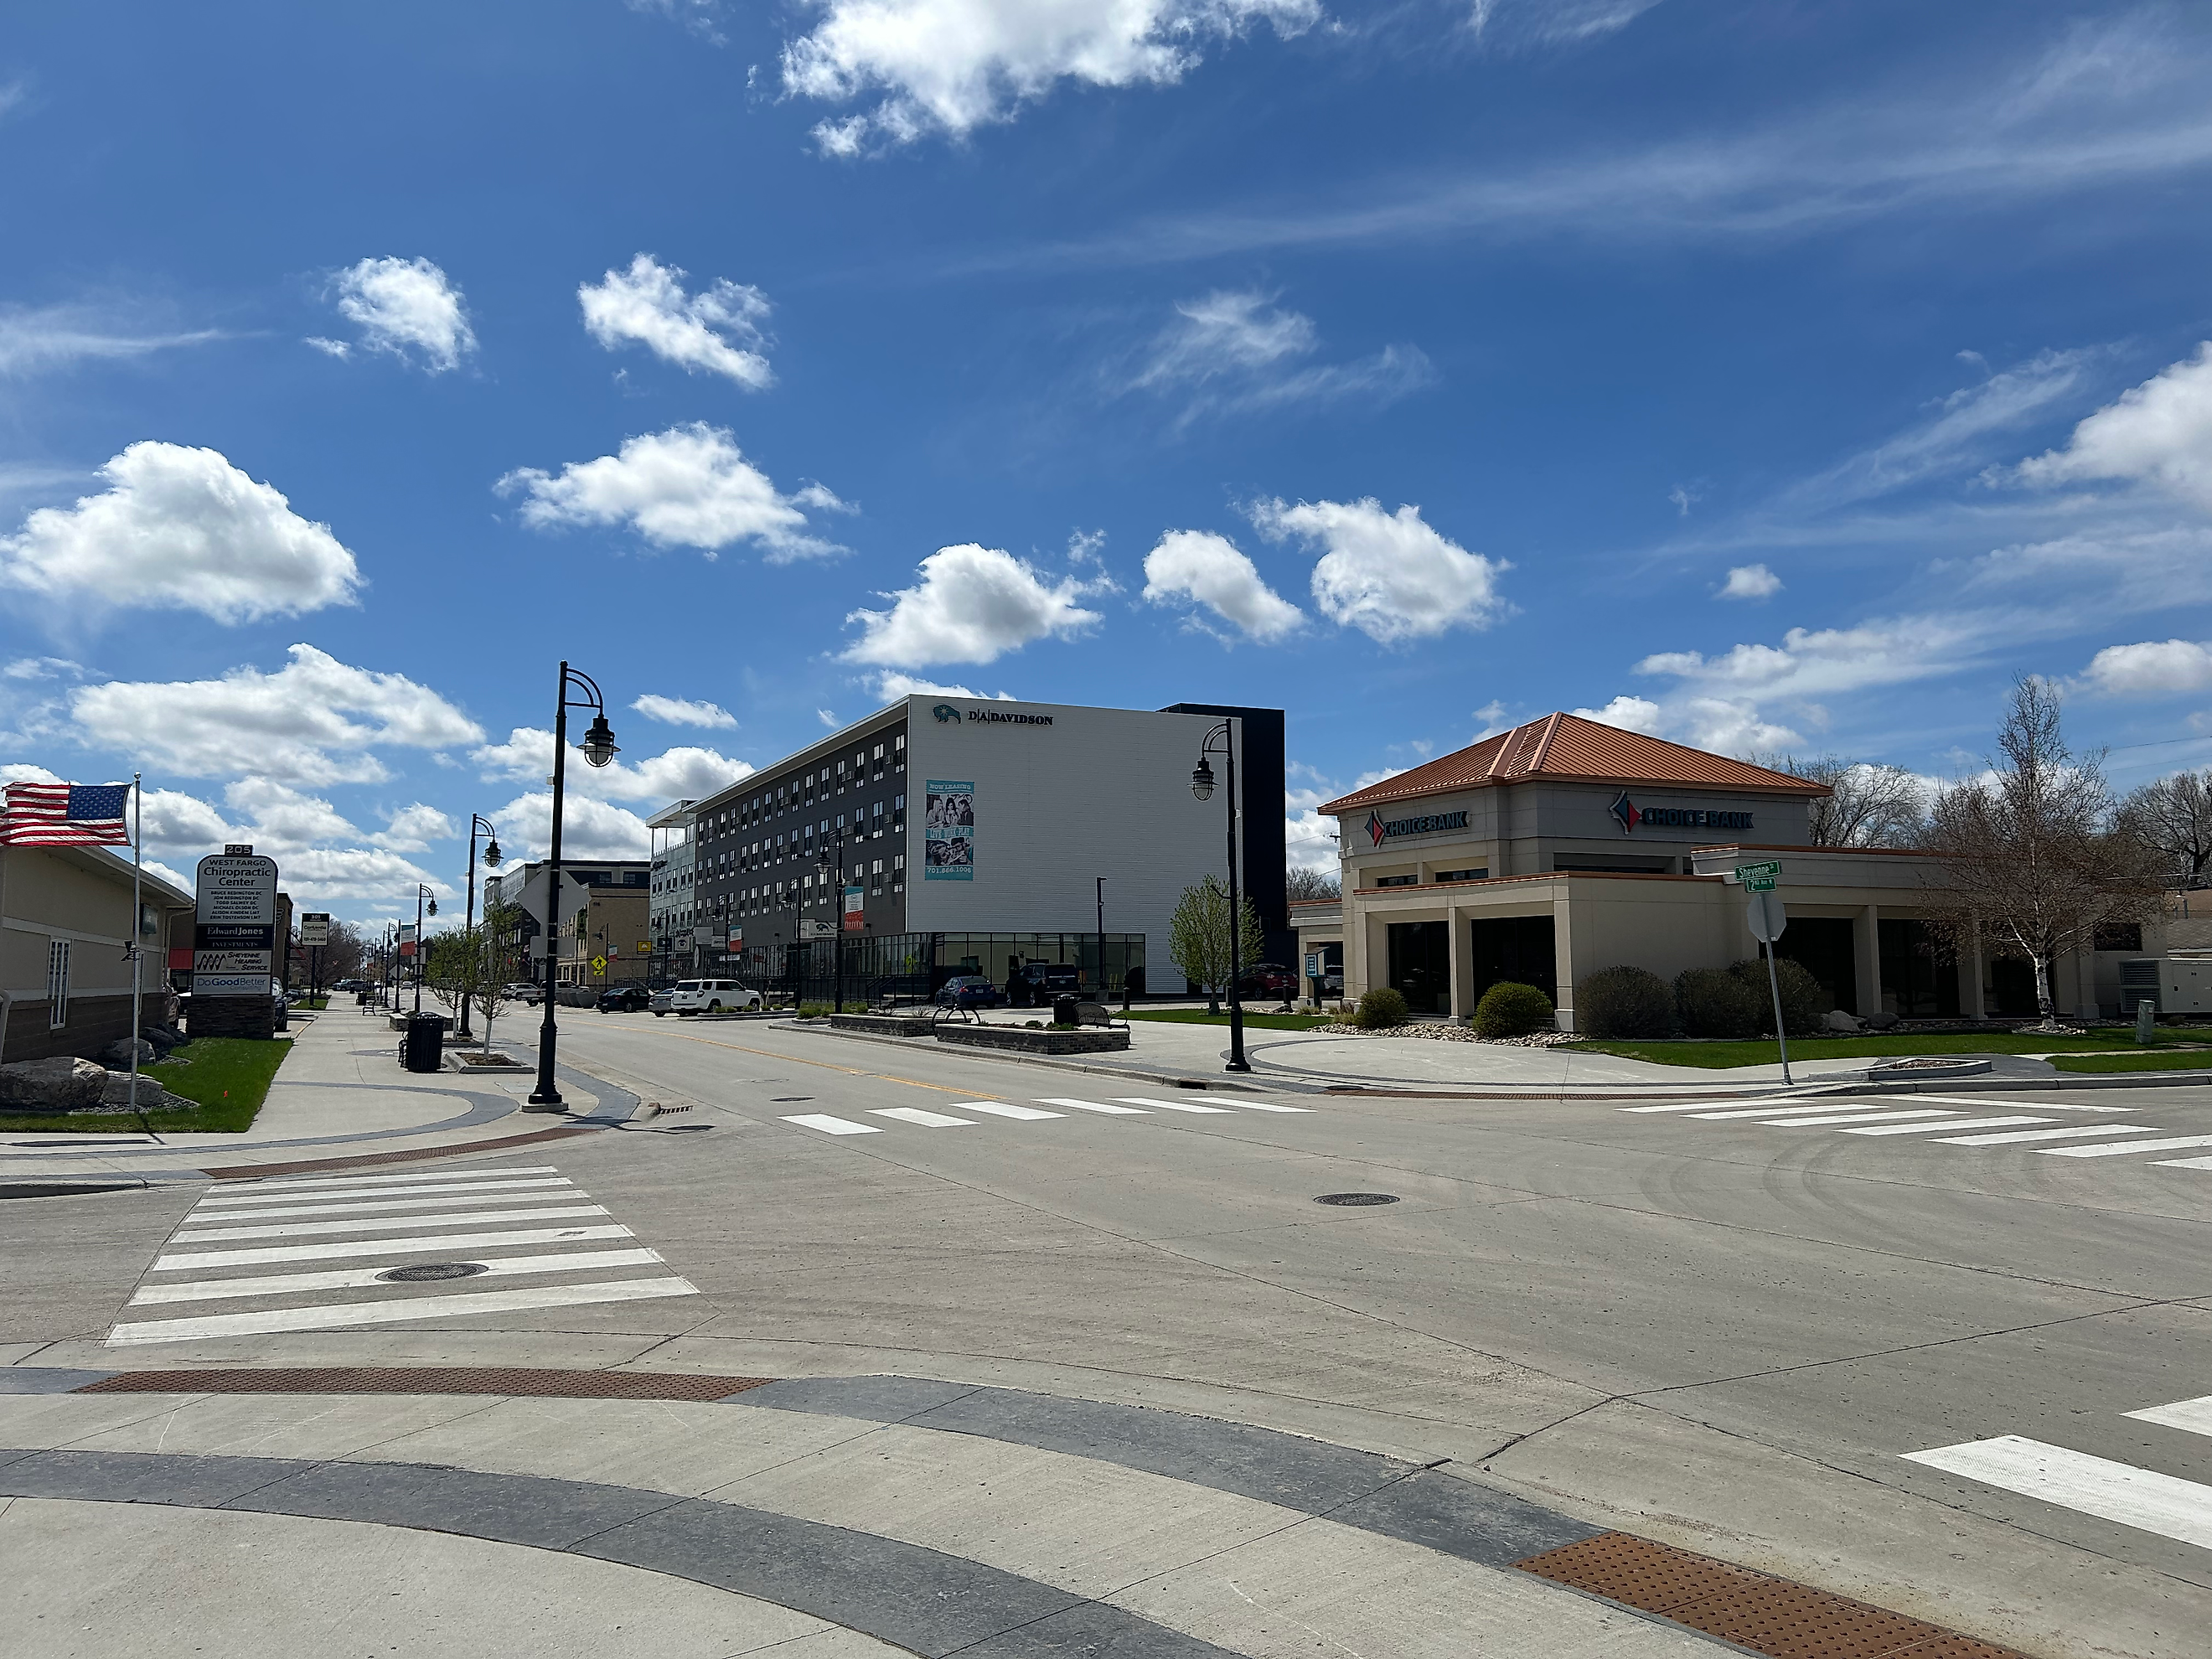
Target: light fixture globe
{"points": [[434, 907], [600, 742], [492, 854], [1201, 781]]}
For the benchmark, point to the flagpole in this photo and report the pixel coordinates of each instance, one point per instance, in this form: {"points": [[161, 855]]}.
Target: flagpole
{"points": [[137, 933]]}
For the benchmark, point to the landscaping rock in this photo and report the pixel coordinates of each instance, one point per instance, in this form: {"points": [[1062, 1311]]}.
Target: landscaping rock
{"points": [[1883, 1020], [61, 1084], [115, 1095], [1850, 1024], [116, 1056]]}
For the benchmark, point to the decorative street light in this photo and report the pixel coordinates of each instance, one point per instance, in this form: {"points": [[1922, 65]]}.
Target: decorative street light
{"points": [[422, 893], [478, 826], [1201, 784], [824, 867], [599, 747]]}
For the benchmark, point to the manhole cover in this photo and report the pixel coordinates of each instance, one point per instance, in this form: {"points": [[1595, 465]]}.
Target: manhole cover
{"points": [[423, 1271], [1353, 1200], [790, 1100]]}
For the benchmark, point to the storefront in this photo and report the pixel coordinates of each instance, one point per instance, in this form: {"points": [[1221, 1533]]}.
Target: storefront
{"points": [[1565, 846]]}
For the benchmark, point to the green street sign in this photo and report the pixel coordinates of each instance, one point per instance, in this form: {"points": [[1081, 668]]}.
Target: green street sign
{"points": [[1759, 884], [1759, 878]]}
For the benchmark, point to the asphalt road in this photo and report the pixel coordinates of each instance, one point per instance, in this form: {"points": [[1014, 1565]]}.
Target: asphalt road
{"points": [[1732, 1333]]}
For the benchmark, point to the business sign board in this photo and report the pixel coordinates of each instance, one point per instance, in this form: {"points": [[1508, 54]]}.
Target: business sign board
{"points": [[1629, 816], [315, 929], [948, 845], [1380, 830], [234, 926], [737, 938], [854, 920], [814, 928]]}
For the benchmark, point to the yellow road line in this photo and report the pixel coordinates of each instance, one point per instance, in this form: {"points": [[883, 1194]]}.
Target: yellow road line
{"points": [[828, 1065]]}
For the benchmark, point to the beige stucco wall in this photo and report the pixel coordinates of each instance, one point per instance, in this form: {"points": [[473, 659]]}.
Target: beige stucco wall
{"points": [[83, 896]]}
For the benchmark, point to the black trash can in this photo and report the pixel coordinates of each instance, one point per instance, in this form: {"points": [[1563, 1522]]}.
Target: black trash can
{"points": [[423, 1048], [1063, 1010]]}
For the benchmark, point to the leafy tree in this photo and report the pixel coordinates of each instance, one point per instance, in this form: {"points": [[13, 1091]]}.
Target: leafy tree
{"points": [[2173, 817], [2034, 857], [1197, 937], [1871, 806], [1303, 883]]}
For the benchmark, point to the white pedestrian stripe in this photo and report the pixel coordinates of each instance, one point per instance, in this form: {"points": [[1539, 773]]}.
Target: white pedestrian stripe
{"points": [[927, 1120], [1854, 1117], [1171, 1105], [2021, 1137], [1242, 1104], [1092, 1106], [2194, 1415], [1984, 1102], [1837, 1106], [2142, 1499], [1702, 1105], [2184, 1163], [832, 1126], [2172, 1144], [1938, 1128], [999, 1108], [573, 1264], [306, 1229]]}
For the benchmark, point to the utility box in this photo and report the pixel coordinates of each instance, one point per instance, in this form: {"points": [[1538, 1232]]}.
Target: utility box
{"points": [[2178, 985]]}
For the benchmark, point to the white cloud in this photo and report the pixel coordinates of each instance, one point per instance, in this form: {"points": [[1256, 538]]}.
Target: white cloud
{"points": [[1511, 24], [38, 337], [24, 772], [294, 829], [701, 17], [1388, 574], [590, 828], [951, 65], [42, 668], [407, 308], [2159, 433], [1197, 564], [181, 529], [2159, 668], [672, 774], [688, 486], [313, 721], [891, 685], [678, 711], [284, 817], [1750, 581], [1493, 718], [1231, 350], [412, 829], [972, 604], [179, 822], [1629, 713], [718, 329]]}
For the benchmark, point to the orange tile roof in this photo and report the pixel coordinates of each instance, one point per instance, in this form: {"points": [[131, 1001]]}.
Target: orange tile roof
{"points": [[1573, 750]]}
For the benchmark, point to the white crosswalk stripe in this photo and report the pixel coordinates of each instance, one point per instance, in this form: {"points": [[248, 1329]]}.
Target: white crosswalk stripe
{"points": [[1105, 1107], [1938, 1128], [2142, 1499], [348, 1220], [2173, 1143], [2022, 1137], [1779, 1112], [2194, 1415], [1172, 1105], [1856, 1117], [927, 1120], [1000, 1108], [1120, 1106], [833, 1126]]}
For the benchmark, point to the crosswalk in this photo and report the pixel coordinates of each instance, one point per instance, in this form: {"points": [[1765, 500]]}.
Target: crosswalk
{"points": [[2144, 1499], [2038, 1126], [254, 1244], [1051, 1106]]}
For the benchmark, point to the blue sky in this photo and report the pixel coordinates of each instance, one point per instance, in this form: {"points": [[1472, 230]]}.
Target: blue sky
{"points": [[1761, 375]]}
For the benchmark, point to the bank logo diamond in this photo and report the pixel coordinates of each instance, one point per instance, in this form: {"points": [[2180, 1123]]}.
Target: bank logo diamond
{"points": [[1624, 810], [1376, 828]]}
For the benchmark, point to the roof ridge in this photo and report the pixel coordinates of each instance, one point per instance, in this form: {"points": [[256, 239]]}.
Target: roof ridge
{"points": [[1544, 744]]}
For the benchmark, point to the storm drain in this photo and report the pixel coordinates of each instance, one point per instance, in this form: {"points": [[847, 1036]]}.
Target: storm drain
{"points": [[1356, 1200], [424, 1272], [1763, 1614]]}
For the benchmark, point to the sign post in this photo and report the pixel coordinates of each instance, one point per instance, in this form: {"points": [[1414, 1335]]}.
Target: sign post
{"points": [[314, 934], [234, 940], [1763, 912]]}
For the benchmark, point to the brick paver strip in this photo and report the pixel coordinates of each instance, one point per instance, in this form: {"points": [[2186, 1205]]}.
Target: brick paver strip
{"points": [[509, 1380], [1754, 1610]]}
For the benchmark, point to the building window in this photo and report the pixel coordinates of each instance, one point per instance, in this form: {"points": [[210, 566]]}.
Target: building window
{"points": [[57, 983], [2120, 936], [1397, 881], [1463, 875]]}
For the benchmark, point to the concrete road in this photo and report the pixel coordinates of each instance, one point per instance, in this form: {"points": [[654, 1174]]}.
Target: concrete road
{"points": [[1893, 1356]]}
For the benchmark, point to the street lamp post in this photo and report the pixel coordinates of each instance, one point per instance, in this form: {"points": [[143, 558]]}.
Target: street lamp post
{"points": [[599, 747], [478, 826], [824, 867], [422, 893], [1201, 784]]}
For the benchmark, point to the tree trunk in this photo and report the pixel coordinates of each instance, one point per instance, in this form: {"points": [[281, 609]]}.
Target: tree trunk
{"points": [[2043, 1004], [1213, 999]]}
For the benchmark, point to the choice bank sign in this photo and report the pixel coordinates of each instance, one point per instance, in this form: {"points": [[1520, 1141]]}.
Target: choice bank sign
{"points": [[1380, 830], [1627, 813]]}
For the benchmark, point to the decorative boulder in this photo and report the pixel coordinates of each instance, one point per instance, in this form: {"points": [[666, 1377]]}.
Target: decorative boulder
{"points": [[61, 1084], [1883, 1020], [116, 1056], [152, 1096], [1848, 1023]]}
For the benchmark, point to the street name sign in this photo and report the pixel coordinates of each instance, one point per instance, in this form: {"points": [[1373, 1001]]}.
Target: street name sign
{"points": [[1759, 878]]}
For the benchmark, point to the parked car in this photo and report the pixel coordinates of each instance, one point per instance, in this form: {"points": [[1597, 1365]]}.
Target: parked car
{"points": [[661, 1001], [1332, 982], [1268, 978], [624, 999], [969, 991], [524, 991], [350, 985], [710, 996]]}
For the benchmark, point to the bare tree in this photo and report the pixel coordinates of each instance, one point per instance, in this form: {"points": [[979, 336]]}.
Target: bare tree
{"points": [[1303, 883], [1871, 806], [2173, 817], [2033, 857]]}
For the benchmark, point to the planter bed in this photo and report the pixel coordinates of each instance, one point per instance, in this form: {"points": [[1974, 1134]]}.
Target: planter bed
{"points": [[1049, 1040], [899, 1025]]}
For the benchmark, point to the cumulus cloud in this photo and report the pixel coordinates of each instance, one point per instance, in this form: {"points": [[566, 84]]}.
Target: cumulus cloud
{"points": [[1234, 350], [717, 329], [972, 604], [412, 829], [678, 711], [892, 685], [672, 774], [295, 829], [38, 337], [315, 721], [690, 486], [1629, 713], [2159, 433], [1388, 574], [181, 529], [2161, 668], [408, 307], [1750, 581], [1200, 566], [590, 828], [949, 66]]}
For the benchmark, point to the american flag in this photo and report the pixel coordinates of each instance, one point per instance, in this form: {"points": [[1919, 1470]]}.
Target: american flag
{"points": [[65, 814]]}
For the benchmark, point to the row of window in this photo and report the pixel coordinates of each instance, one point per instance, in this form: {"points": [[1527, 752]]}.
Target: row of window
{"points": [[782, 895], [867, 824], [864, 764]]}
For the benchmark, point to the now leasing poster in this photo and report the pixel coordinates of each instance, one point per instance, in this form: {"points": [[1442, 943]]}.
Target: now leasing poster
{"points": [[948, 847]]}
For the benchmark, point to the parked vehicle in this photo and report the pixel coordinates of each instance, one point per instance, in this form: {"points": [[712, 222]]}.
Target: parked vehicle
{"points": [[1268, 978], [969, 991], [625, 999], [350, 985], [524, 991], [710, 996], [661, 1001]]}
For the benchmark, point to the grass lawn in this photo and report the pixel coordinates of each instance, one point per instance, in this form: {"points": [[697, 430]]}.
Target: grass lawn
{"points": [[227, 1077], [1200, 1016], [1726, 1055], [2174, 1059]]}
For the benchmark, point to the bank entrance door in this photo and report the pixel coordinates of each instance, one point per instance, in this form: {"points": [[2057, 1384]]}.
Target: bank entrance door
{"points": [[1420, 965]]}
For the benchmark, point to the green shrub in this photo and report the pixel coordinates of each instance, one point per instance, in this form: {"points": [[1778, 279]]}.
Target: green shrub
{"points": [[1713, 1002], [1805, 1003], [1382, 1007], [1343, 1013], [813, 1010], [1624, 1002], [1509, 1009]]}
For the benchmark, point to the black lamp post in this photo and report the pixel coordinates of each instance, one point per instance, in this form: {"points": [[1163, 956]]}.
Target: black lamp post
{"points": [[598, 746], [478, 826], [825, 866], [422, 893], [1201, 784]]}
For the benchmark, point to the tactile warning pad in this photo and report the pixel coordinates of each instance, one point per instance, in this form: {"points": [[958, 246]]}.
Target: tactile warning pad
{"points": [[1753, 1610], [520, 1381]]}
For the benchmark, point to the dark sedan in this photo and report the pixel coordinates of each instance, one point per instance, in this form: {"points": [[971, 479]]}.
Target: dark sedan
{"points": [[969, 991], [625, 999]]}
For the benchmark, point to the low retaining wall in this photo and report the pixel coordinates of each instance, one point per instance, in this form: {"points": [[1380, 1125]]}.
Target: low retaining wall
{"points": [[881, 1024], [1051, 1040]]}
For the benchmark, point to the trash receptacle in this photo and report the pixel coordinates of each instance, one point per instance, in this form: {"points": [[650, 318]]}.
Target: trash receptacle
{"points": [[423, 1048], [1063, 1010]]}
